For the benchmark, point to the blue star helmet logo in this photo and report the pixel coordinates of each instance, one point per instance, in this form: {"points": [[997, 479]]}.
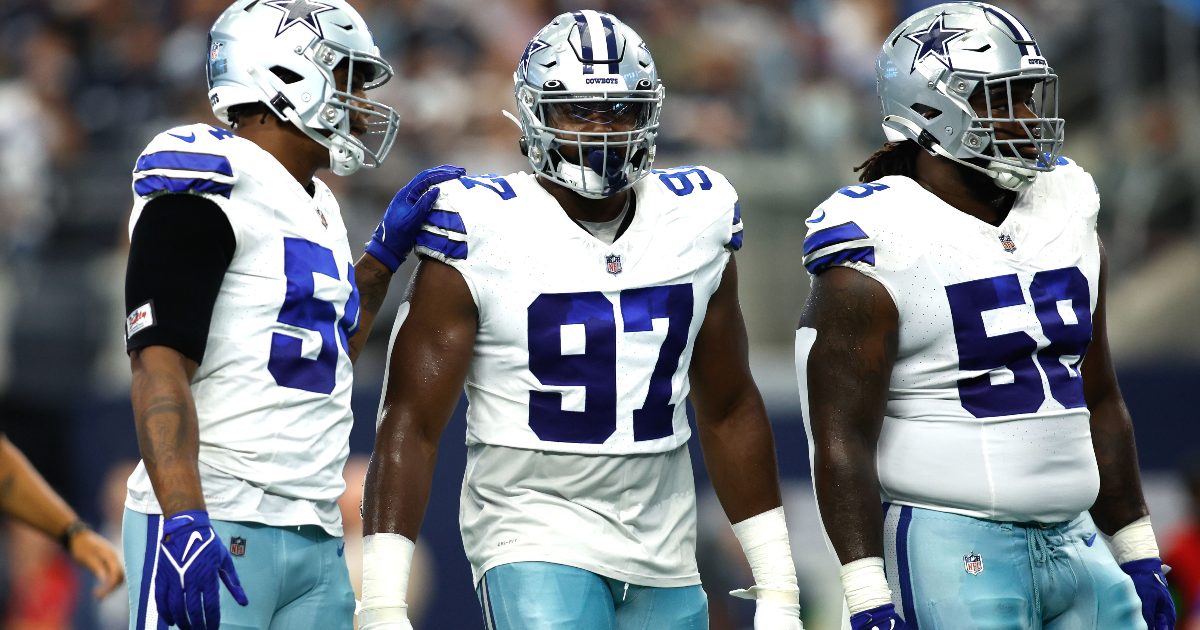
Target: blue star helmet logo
{"points": [[933, 41], [299, 12], [534, 46]]}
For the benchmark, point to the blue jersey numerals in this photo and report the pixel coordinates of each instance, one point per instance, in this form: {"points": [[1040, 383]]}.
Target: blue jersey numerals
{"points": [[683, 180], [302, 309], [494, 183], [1062, 301], [595, 369]]}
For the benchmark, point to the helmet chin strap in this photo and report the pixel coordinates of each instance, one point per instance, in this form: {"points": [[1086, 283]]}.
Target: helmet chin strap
{"points": [[583, 180], [345, 157], [1005, 176]]}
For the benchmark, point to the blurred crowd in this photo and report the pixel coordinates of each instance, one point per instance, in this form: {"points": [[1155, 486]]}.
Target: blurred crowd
{"points": [[778, 93]]}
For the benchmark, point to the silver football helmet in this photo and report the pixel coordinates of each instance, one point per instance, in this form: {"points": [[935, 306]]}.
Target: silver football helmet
{"points": [[588, 70], [933, 63], [282, 53]]}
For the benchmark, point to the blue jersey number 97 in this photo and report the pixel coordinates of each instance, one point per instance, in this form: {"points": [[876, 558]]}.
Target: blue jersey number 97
{"points": [[595, 369], [1062, 301], [302, 309]]}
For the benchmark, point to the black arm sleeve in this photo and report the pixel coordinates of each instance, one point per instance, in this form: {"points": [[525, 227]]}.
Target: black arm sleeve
{"points": [[178, 254]]}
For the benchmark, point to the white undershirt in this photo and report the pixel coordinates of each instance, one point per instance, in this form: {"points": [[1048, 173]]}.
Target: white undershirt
{"points": [[607, 230]]}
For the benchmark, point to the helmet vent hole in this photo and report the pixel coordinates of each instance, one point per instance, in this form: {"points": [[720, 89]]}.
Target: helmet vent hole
{"points": [[553, 84], [643, 84], [928, 112], [550, 64], [285, 75]]}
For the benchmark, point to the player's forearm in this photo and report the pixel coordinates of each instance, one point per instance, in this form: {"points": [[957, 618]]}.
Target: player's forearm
{"points": [[167, 430], [847, 487], [25, 495], [739, 452], [398, 483], [372, 279], [1120, 501]]}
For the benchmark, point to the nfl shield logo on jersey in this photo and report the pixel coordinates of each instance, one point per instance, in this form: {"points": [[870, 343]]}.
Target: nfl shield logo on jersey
{"points": [[614, 263], [237, 546], [973, 563], [1007, 242]]}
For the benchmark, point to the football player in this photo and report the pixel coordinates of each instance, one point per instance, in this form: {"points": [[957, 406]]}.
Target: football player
{"points": [[245, 314], [580, 305], [953, 360]]}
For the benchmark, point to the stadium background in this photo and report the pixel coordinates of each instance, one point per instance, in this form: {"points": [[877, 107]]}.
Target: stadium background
{"points": [[777, 94]]}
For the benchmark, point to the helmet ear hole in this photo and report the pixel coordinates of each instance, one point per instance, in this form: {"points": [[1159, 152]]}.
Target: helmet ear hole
{"points": [[285, 75], [924, 110]]}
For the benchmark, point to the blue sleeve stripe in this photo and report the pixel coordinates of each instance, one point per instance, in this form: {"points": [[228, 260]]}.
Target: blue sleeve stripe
{"points": [[854, 254], [832, 236], [737, 212], [735, 243], [160, 183], [447, 247], [450, 221], [184, 161]]}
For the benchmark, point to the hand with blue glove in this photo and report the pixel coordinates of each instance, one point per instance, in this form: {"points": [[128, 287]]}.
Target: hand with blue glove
{"points": [[1151, 585], [394, 237], [879, 618], [191, 557]]}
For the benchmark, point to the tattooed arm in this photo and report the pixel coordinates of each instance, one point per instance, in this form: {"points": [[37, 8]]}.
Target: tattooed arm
{"points": [[167, 430], [849, 367], [372, 278]]}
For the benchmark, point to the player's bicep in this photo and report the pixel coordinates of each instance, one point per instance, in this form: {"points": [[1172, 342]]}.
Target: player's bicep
{"points": [[850, 362], [431, 351], [1099, 376], [720, 368]]}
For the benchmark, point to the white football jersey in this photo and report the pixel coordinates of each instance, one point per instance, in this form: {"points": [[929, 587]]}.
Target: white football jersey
{"points": [[273, 391], [583, 346], [985, 415], [576, 420]]}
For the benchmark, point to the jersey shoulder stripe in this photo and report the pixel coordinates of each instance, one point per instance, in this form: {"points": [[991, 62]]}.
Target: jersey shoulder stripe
{"points": [[735, 241], [184, 161], [464, 202], [190, 159], [440, 246], [154, 184], [828, 237]]}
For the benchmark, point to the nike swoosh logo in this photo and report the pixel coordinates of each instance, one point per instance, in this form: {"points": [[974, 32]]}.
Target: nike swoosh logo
{"points": [[1091, 539], [195, 537], [191, 137], [817, 218]]}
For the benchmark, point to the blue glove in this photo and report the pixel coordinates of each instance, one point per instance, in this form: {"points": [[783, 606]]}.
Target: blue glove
{"points": [[190, 559], [1151, 585], [879, 618], [393, 239]]}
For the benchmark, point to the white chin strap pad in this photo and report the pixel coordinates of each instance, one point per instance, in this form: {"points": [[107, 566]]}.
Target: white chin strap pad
{"points": [[345, 157], [584, 180], [1011, 177]]}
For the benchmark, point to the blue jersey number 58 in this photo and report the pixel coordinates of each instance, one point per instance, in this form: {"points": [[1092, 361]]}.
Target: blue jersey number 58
{"points": [[1062, 301]]}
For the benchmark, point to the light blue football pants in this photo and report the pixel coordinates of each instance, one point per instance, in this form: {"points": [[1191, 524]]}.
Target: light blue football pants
{"points": [[294, 577], [547, 596], [951, 572]]}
